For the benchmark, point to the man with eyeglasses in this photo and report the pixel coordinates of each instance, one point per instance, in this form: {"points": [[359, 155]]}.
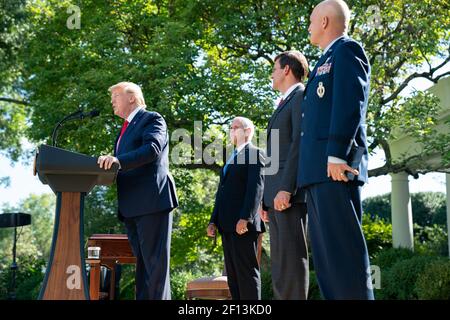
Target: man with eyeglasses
{"points": [[235, 213]]}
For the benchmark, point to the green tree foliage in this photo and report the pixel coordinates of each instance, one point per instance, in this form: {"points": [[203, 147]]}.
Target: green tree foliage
{"points": [[378, 234], [13, 31], [197, 61], [409, 35], [33, 246], [191, 249], [35, 239], [211, 60], [428, 208]]}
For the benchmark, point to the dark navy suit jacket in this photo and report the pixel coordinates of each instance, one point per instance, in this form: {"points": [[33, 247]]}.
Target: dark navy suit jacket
{"points": [[144, 184], [333, 122], [240, 192]]}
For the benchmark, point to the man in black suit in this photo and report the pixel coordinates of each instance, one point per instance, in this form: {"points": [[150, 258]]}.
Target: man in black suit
{"points": [[145, 189], [283, 206], [235, 213]]}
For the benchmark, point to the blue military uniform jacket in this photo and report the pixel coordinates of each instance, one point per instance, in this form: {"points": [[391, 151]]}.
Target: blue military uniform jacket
{"points": [[334, 111]]}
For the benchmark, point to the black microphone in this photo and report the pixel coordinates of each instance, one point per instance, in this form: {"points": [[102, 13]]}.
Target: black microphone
{"points": [[77, 115], [80, 115], [91, 114]]}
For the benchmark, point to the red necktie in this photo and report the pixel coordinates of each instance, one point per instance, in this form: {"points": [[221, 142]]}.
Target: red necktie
{"points": [[124, 127]]}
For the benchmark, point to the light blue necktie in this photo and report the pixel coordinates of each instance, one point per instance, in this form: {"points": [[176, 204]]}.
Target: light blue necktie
{"points": [[233, 155]]}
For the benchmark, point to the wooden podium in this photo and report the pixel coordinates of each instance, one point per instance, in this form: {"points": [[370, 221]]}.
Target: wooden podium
{"points": [[71, 176]]}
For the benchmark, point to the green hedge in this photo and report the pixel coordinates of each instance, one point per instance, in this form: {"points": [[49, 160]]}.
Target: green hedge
{"points": [[314, 290], [29, 278], [266, 284], [434, 282], [378, 234], [399, 281], [407, 275], [388, 257]]}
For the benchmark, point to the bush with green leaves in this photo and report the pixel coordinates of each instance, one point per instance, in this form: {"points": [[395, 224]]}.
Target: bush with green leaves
{"points": [[399, 281], [266, 284], [434, 282], [127, 282], [178, 281], [314, 289], [378, 234], [29, 278], [386, 258], [431, 239]]}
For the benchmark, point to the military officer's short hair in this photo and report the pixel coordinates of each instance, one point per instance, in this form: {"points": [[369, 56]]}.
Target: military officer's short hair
{"points": [[296, 61]]}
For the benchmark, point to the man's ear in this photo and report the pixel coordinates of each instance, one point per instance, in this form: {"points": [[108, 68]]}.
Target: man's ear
{"points": [[325, 22], [247, 135], [132, 99], [286, 70]]}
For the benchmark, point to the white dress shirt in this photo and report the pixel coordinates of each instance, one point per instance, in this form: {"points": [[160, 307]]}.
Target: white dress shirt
{"points": [[132, 114], [292, 88], [289, 91], [242, 146]]}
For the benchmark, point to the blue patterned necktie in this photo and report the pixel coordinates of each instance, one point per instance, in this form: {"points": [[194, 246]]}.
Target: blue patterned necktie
{"points": [[233, 155]]}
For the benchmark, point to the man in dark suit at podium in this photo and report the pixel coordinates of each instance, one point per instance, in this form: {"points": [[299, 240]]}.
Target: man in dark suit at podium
{"points": [[145, 189], [236, 215]]}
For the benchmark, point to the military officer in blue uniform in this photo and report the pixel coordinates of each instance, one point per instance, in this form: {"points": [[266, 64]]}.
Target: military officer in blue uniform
{"points": [[333, 155]]}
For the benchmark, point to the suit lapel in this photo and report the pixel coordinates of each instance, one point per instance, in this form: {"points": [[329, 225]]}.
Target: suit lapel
{"points": [[230, 166], [277, 111], [115, 144], [129, 130]]}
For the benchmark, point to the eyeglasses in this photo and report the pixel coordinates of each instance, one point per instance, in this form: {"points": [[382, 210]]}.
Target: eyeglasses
{"points": [[236, 128]]}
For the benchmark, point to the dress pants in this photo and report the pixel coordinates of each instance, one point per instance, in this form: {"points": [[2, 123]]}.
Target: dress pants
{"points": [[339, 250], [149, 236], [241, 264], [289, 252]]}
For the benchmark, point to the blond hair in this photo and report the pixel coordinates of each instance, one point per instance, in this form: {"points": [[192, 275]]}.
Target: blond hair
{"points": [[130, 87]]}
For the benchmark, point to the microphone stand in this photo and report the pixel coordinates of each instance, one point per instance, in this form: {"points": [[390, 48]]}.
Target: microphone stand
{"points": [[69, 117], [12, 293]]}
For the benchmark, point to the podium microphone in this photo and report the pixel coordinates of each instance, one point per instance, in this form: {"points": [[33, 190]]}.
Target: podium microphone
{"points": [[77, 115], [91, 114]]}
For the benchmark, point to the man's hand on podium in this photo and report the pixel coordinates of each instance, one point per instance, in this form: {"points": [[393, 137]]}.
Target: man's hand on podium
{"points": [[107, 161]]}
